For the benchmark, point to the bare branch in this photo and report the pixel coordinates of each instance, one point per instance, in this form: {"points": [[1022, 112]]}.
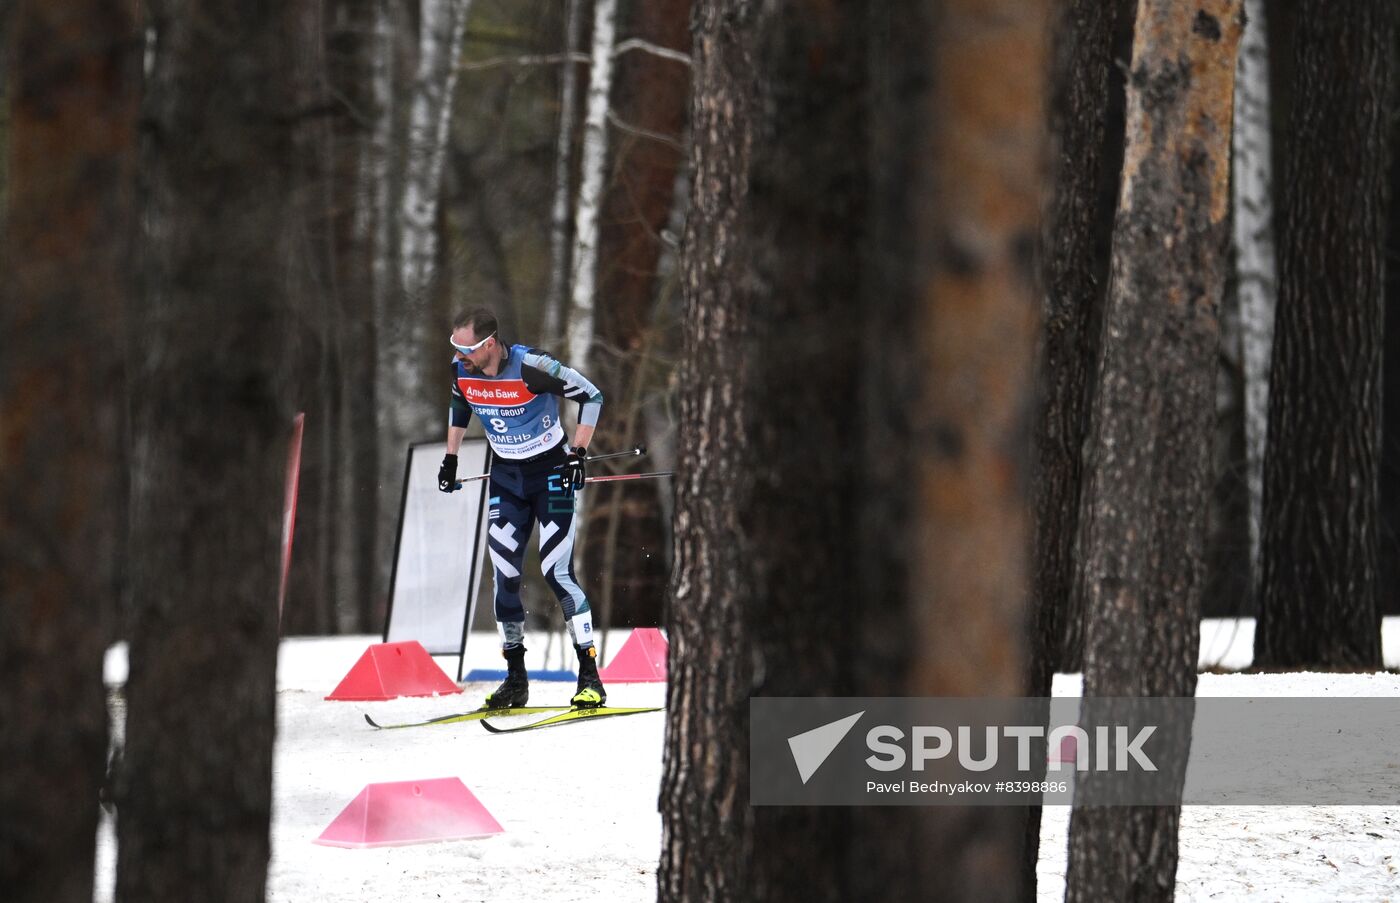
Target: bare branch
{"points": [[554, 59], [665, 53], [547, 59], [645, 133]]}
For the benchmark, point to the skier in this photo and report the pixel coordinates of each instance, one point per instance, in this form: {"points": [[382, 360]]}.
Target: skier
{"points": [[536, 475]]}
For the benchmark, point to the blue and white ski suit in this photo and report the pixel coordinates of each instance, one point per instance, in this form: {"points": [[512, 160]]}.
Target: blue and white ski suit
{"points": [[519, 408]]}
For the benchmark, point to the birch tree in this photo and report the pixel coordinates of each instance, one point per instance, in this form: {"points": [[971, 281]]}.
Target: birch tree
{"points": [[561, 213], [1319, 557], [1253, 237], [1148, 466], [592, 182], [409, 402], [69, 89], [441, 23]]}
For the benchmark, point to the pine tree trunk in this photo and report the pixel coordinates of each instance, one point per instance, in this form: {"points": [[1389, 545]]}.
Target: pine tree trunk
{"points": [[1388, 591], [6, 20], [808, 247], [310, 604], [707, 823], [70, 134], [1319, 569], [210, 422], [978, 331], [1075, 274], [1148, 465]]}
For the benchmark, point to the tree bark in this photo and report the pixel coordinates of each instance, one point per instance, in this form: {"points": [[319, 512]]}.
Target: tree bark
{"points": [[1148, 469], [1388, 591], [1319, 569], [1075, 269], [210, 426], [6, 18], [71, 90], [707, 822], [357, 63], [978, 330], [821, 136], [310, 604], [1075, 273]]}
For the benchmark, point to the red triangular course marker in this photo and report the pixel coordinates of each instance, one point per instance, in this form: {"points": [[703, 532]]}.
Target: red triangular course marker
{"points": [[642, 659], [390, 670], [404, 812]]}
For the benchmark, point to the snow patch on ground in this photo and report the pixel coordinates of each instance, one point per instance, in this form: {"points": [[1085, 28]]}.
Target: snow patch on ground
{"points": [[1299, 854], [579, 804]]}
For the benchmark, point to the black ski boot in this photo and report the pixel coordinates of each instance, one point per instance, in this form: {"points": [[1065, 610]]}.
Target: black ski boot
{"points": [[515, 689], [590, 693]]}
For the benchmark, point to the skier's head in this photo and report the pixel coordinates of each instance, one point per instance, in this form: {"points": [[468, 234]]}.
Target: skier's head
{"points": [[475, 336]]}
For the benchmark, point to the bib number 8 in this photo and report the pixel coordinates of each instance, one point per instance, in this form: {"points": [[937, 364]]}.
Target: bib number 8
{"points": [[498, 425]]}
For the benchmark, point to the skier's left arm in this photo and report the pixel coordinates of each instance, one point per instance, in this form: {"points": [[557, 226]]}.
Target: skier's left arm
{"points": [[545, 375]]}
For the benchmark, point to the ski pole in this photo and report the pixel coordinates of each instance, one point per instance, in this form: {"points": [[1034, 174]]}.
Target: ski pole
{"points": [[639, 450], [629, 476], [634, 452]]}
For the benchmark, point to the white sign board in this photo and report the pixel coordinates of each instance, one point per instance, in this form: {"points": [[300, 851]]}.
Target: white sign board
{"points": [[441, 550]]}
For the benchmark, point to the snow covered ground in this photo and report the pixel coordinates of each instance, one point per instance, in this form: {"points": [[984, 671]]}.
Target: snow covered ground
{"points": [[578, 804]]}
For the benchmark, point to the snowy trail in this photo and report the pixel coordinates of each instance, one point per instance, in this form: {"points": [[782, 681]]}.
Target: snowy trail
{"points": [[578, 804]]}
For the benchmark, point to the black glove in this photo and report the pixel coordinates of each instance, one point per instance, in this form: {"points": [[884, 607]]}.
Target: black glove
{"points": [[447, 473], [574, 474]]}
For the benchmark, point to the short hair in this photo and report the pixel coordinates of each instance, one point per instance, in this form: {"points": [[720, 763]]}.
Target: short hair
{"points": [[481, 321]]}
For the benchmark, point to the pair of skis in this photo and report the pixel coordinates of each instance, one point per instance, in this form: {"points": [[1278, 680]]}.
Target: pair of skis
{"points": [[555, 715]]}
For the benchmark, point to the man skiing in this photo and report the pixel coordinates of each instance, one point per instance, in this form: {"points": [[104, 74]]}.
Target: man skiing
{"points": [[514, 391]]}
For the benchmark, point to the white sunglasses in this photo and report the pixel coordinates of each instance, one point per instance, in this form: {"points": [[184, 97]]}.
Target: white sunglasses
{"points": [[468, 349]]}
